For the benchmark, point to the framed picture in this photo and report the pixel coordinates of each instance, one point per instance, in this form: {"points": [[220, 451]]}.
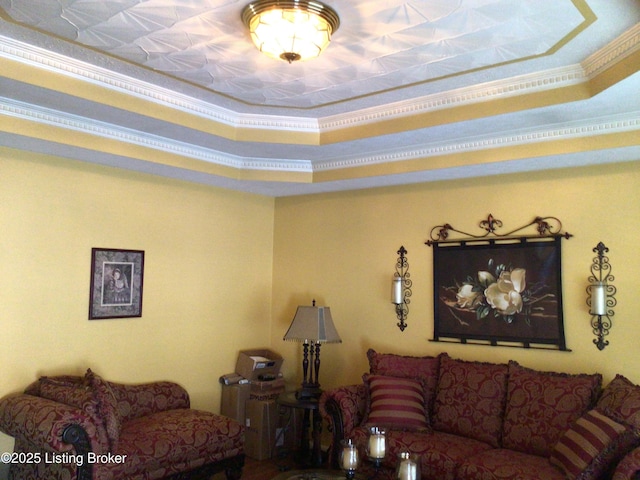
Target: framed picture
{"points": [[116, 283], [499, 292]]}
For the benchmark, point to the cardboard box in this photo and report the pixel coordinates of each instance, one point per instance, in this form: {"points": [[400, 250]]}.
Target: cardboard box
{"points": [[270, 390], [260, 433], [234, 398], [258, 363]]}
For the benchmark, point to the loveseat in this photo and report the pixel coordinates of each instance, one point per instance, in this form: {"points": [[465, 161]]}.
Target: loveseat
{"points": [[86, 428], [486, 421]]}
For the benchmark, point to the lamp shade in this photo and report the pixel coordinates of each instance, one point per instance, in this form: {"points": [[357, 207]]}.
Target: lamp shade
{"points": [[290, 30], [313, 325]]}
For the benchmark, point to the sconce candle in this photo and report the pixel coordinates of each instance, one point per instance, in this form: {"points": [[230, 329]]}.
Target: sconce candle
{"points": [[601, 299], [401, 288], [396, 291], [598, 298]]}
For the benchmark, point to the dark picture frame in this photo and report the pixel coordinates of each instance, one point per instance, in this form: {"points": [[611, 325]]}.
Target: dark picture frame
{"points": [[499, 292], [116, 283]]}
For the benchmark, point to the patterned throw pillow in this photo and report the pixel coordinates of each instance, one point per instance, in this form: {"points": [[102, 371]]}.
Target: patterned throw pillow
{"points": [[74, 394], [471, 399], [396, 403], [541, 406], [622, 397], [592, 445], [107, 407]]}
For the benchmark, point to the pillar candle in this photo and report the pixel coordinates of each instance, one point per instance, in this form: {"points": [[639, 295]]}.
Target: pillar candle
{"points": [[598, 299], [377, 447], [396, 291], [349, 457]]}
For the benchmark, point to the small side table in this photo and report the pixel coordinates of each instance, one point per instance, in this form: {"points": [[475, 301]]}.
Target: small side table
{"points": [[307, 456]]}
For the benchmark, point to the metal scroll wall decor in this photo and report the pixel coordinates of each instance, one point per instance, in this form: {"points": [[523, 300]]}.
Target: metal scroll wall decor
{"points": [[496, 288], [601, 299], [401, 288]]}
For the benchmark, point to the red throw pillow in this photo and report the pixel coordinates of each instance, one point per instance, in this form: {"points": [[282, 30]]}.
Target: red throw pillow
{"points": [[470, 400], [396, 403], [424, 369], [592, 446], [107, 407], [622, 397], [74, 394], [535, 398]]}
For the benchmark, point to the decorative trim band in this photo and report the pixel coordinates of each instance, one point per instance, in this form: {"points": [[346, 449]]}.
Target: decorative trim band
{"points": [[13, 108], [616, 50]]}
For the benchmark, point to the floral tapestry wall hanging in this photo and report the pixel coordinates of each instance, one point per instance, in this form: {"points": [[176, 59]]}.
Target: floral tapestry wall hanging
{"points": [[499, 291], [116, 283]]}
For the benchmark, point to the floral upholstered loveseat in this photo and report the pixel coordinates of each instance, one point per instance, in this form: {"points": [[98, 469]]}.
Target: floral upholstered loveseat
{"points": [[484, 421], [86, 428]]}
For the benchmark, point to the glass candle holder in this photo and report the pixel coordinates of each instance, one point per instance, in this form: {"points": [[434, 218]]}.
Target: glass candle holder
{"points": [[349, 459], [377, 446], [408, 467]]}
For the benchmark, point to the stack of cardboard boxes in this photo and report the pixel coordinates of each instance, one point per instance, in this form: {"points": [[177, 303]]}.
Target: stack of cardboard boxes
{"points": [[252, 401]]}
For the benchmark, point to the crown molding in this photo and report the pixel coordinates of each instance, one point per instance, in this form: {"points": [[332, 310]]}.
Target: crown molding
{"points": [[44, 116], [626, 44], [54, 118], [600, 126]]}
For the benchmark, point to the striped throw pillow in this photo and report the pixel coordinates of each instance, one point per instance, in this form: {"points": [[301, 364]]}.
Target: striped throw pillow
{"points": [[396, 403], [592, 445]]}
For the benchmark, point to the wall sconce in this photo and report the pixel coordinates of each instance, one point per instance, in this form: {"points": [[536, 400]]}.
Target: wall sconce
{"points": [[601, 298], [401, 289]]}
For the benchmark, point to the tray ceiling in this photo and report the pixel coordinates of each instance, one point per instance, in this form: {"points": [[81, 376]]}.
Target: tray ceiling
{"points": [[402, 92]]}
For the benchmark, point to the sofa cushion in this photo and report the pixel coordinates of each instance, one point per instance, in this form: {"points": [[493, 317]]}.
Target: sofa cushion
{"points": [[541, 406], [502, 464], [396, 403], [424, 369], [470, 399], [165, 443], [622, 397], [440, 453], [107, 407], [592, 446]]}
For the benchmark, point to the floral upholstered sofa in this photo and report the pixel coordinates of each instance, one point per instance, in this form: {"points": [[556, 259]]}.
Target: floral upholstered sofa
{"points": [[86, 428], [484, 421]]}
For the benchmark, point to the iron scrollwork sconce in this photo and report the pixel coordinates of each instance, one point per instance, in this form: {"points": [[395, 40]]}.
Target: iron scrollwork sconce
{"points": [[601, 299], [401, 288]]}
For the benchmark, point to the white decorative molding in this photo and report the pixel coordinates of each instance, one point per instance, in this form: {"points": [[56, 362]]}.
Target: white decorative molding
{"points": [[76, 123], [62, 64], [601, 126], [523, 84]]}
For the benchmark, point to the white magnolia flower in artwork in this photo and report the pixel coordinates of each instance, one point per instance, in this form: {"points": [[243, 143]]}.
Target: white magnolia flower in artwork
{"points": [[505, 294]]}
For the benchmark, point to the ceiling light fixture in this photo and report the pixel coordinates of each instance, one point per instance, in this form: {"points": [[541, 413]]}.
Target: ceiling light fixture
{"points": [[290, 30]]}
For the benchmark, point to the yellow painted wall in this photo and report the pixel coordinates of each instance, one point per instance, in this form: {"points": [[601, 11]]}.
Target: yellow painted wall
{"points": [[225, 270], [340, 248], [207, 277]]}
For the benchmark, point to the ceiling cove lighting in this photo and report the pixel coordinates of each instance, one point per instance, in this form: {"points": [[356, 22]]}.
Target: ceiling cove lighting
{"points": [[290, 30]]}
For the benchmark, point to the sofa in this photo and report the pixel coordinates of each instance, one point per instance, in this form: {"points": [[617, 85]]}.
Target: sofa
{"points": [[486, 421], [87, 428]]}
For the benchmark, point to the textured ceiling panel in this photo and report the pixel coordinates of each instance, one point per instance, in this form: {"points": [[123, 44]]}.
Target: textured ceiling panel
{"points": [[380, 45]]}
